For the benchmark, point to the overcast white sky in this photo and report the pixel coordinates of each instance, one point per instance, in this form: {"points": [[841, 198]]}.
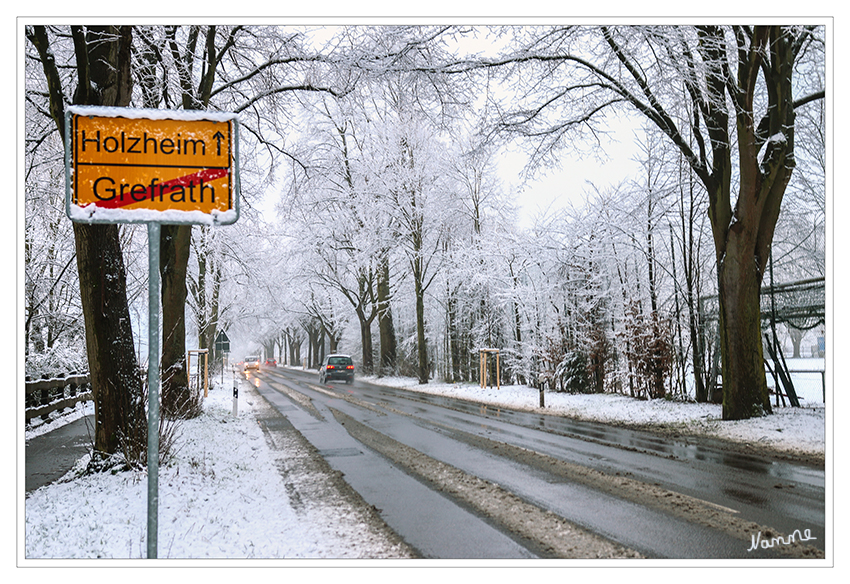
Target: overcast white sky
{"points": [[555, 189]]}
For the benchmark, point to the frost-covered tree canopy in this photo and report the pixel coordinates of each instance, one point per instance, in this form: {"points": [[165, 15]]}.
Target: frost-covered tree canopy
{"points": [[376, 222]]}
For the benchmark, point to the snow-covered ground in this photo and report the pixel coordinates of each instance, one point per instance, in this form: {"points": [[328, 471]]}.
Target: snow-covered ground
{"points": [[222, 497]]}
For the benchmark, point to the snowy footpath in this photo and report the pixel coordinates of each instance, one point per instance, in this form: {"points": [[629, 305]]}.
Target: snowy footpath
{"points": [[222, 495]]}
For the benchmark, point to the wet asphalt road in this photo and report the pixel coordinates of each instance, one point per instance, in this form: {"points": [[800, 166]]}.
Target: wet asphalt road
{"points": [[50, 457], [515, 450]]}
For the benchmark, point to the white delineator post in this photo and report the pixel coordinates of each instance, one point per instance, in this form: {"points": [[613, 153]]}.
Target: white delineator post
{"points": [[235, 395]]}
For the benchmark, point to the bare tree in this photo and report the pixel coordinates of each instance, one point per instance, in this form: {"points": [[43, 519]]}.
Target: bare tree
{"points": [[740, 85]]}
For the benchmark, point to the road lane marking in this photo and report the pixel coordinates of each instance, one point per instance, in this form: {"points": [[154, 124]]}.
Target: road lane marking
{"points": [[324, 391], [717, 506]]}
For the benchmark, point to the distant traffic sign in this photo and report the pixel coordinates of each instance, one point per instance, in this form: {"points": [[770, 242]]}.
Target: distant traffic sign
{"points": [[127, 165], [222, 343]]}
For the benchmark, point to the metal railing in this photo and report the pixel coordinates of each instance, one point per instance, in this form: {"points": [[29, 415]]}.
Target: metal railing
{"points": [[820, 372]]}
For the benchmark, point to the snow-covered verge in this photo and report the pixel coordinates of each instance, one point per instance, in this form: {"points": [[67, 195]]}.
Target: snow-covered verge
{"points": [[220, 497], [798, 431]]}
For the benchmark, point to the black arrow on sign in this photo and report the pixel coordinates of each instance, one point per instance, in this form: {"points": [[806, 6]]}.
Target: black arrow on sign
{"points": [[219, 137]]}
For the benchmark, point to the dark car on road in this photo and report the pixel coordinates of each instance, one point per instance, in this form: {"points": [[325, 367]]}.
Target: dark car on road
{"points": [[336, 367], [270, 363]]}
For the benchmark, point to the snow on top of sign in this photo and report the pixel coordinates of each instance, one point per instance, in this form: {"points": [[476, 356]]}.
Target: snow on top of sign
{"points": [[150, 114], [94, 214]]}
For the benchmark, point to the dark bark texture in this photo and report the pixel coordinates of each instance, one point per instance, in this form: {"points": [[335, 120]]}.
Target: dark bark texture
{"points": [[104, 78], [177, 399]]}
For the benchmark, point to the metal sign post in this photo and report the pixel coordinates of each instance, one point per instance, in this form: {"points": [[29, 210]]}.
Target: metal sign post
{"points": [[153, 386], [125, 165]]}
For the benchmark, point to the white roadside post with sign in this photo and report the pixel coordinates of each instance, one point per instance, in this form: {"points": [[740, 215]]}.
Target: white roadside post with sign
{"points": [[125, 165]]}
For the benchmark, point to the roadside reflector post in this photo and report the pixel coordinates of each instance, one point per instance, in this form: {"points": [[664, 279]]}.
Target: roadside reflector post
{"points": [[235, 395]]}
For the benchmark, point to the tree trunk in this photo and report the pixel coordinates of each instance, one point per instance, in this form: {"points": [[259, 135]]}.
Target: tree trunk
{"points": [[520, 375], [268, 349], [386, 328], [453, 333], [104, 74], [175, 240], [174, 260], [113, 370], [690, 264], [697, 352], [745, 393], [315, 344], [796, 339], [206, 316], [212, 322], [365, 341], [743, 235], [289, 357], [422, 350], [294, 341]]}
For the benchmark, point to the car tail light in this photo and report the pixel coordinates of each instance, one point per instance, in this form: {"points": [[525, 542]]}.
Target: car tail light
{"points": [[350, 367], [331, 367]]}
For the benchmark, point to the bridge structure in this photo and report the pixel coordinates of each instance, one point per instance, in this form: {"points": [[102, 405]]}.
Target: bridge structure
{"points": [[800, 304]]}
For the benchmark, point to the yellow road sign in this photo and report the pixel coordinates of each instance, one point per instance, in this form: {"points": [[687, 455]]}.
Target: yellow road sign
{"points": [[131, 165]]}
